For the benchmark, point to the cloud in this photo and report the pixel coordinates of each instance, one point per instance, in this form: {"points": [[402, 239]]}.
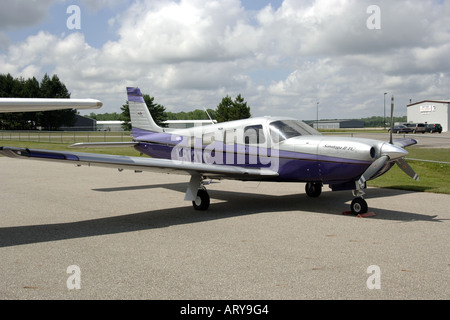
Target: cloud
{"points": [[15, 14], [191, 53]]}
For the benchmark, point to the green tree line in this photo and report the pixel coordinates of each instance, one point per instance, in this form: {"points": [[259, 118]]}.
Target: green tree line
{"points": [[227, 110], [11, 87]]}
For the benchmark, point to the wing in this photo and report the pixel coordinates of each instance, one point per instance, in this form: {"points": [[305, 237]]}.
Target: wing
{"points": [[38, 104], [141, 164]]}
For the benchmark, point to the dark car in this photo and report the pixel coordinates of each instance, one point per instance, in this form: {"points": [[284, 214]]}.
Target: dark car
{"points": [[434, 127], [401, 129], [417, 127]]}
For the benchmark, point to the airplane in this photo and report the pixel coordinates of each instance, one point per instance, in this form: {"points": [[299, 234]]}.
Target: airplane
{"points": [[8, 105], [271, 149]]}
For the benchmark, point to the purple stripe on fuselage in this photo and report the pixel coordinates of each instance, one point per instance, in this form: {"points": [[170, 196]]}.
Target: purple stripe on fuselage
{"points": [[291, 166]]}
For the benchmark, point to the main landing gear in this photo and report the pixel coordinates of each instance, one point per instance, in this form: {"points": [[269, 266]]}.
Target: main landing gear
{"points": [[313, 189], [358, 205], [196, 192], [202, 200]]}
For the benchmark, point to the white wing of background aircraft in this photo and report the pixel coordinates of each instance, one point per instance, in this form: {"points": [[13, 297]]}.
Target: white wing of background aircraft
{"points": [[41, 104]]}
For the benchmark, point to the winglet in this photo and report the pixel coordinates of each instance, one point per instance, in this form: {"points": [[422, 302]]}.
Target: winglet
{"points": [[139, 113]]}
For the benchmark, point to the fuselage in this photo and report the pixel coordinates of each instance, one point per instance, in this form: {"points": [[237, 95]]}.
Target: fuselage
{"points": [[297, 152]]}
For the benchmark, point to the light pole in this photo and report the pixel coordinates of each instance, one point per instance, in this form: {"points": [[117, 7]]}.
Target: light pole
{"points": [[384, 118]]}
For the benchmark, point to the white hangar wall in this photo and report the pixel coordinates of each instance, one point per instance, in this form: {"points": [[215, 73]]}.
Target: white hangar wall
{"points": [[430, 111]]}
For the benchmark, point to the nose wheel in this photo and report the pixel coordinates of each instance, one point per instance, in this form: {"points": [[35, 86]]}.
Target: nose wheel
{"points": [[359, 206]]}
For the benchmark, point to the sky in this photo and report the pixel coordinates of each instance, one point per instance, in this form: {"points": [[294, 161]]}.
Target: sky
{"points": [[286, 58]]}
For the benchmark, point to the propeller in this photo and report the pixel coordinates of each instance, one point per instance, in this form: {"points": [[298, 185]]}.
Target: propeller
{"points": [[388, 152], [392, 121], [406, 168], [373, 169], [401, 162]]}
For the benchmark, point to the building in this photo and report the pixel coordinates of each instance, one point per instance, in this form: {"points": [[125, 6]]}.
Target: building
{"points": [[182, 124], [430, 111], [113, 126], [337, 124], [81, 124]]}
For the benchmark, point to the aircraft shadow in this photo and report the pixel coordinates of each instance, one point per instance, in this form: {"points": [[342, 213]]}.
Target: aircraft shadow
{"points": [[234, 204]]}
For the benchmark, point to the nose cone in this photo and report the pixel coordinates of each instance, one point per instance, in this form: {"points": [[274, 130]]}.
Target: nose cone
{"points": [[393, 151]]}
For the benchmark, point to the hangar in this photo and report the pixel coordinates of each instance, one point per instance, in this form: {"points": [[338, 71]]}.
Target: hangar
{"points": [[336, 124], [430, 111]]}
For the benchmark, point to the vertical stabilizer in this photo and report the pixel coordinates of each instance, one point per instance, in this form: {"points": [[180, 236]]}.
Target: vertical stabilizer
{"points": [[140, 116]]}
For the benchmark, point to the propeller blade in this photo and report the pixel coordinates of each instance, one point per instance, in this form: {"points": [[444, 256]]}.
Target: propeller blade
{"points": [[406, 168], [376, 166], [392, 120]]}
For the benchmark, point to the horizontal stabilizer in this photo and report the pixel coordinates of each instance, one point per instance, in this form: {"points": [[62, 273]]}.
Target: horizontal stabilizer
{"points": [[402, 143]]}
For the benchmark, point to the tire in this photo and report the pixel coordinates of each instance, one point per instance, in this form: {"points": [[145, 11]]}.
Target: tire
{"points": [[313, 189], [202, 201], [359, 206]]}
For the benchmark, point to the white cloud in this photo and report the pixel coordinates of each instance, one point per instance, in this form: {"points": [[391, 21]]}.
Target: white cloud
{"points": [[191, 53]]}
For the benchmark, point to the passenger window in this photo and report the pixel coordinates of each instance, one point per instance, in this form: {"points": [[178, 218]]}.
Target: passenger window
{"points": [[230, 136], [254, 135], [211, 137]]}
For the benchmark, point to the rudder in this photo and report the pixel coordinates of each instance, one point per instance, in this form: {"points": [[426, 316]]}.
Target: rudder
{"points": [[139, 113]]}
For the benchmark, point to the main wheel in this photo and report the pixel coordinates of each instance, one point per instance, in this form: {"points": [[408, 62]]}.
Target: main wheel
{"points": [[202, 200], [358, 206], [313, 189]]}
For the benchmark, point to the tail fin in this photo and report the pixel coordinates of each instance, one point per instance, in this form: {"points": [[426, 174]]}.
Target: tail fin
{"points": [[140, 116]]}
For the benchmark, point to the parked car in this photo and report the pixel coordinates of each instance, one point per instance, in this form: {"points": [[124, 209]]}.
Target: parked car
{"points": [[434, 127], [417, 127], [401, 129]]}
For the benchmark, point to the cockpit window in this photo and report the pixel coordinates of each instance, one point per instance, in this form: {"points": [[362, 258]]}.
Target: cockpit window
{"points": [[285, 129]]}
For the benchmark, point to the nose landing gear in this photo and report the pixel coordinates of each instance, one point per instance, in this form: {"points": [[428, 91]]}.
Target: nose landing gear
{"points": [[359, 206]]}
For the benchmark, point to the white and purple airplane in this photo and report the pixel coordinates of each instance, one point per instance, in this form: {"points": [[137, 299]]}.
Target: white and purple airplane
{"points": [[255, 149]]}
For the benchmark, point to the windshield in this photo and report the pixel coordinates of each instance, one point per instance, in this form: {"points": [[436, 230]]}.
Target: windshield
{"points": [[285, 129]]}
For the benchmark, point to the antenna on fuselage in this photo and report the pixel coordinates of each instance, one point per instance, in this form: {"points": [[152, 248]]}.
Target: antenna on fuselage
{"points": [[207, 113]]}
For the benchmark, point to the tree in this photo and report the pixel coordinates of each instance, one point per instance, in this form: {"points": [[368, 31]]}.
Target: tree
{"points": [[197, 114], [31, 88], [157, 111], [229, 110], [52, 120]]}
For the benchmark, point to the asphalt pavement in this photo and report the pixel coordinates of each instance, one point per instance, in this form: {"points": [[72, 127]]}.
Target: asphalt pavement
{"points": [[96, 233]]}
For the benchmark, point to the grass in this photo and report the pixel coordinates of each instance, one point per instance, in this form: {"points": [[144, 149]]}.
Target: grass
{"points": [[434, 177]]}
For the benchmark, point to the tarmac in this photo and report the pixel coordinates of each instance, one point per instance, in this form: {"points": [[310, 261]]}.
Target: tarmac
{"points": [[94, 233]]}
